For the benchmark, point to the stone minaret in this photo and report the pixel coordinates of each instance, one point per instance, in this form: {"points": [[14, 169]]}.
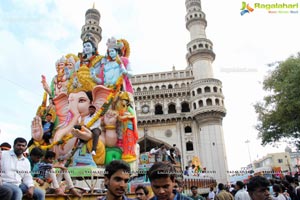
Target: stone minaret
{"points": [[92, 20], [207, 98]]}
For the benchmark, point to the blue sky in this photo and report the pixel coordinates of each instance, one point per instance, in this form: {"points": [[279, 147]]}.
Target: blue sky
{"points": [[35, 33]]}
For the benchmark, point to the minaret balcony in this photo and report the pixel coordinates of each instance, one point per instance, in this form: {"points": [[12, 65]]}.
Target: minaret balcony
{"points": [[198, 54], [194, 21]]}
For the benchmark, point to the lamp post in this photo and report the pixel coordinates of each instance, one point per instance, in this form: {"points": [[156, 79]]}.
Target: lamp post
{"points": [[247, 142]]}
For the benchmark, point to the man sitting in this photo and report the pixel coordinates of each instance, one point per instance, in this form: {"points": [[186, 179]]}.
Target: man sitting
{"points": [[47, 173]]}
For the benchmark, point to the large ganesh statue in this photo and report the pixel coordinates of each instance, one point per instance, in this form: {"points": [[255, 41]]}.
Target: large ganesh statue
{"points": [[91, 103]]}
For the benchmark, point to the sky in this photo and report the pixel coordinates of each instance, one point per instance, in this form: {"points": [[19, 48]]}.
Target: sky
{"points": [[35, 33]]}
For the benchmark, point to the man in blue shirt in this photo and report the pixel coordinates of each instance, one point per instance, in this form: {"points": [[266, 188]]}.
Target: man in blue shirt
{"points": [[48, 128]]}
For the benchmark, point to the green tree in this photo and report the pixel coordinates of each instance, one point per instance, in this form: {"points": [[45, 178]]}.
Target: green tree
{"points": [[279, 112]]}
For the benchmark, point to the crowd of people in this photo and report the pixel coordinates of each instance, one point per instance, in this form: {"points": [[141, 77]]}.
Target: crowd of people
{"points": [[23, 175]]}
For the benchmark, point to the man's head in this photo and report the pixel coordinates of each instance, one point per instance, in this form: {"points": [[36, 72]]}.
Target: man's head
{"points": [[116, 176], [48, 117], [5, 146], [49, 157], [162, 178], [178, 186], [162, 146], [221, 186], [20, 145], [194, 190], [36, 154], [92, 109], [141, 192], [239, 185], [258, 188]]}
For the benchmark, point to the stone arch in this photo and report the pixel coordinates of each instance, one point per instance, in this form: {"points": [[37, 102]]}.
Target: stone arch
{"points": [[215, 89], [158, 109], [207, 89], [187, 129], [189, 146], [171, 108], [200, 103], [185, 107], [208, 102], [199, 90]]}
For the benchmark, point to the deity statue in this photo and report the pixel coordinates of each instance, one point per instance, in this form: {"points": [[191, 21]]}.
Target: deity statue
{"points": [[64, 69], [117, 64], [95, 82], [90, 59], [129, 132]]}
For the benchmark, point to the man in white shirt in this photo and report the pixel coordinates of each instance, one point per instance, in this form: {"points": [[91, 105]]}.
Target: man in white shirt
{"points": [[95, 128], [211, 194], [5, 192], [16, 172], [241, 193]]}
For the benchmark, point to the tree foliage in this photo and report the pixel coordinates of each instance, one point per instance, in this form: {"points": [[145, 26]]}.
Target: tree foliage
{"points": [[279, 112]]}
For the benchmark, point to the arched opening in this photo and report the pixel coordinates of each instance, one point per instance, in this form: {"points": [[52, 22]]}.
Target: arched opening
{"points": [[215, 89], [193, 93], [208, 102], [171, 108], [187, 129], [207, 89], [189, 146], [217, 101], [138, 89], [194, 105], [200, 103], [158, 109], [199, 91], [170, 86], [185, 107]]}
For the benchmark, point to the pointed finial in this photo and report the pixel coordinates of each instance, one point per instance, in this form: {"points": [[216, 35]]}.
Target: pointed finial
{"points": [[94, 5]]}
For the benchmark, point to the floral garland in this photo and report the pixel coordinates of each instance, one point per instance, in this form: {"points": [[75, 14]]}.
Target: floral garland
{"points": [[115, 90]]}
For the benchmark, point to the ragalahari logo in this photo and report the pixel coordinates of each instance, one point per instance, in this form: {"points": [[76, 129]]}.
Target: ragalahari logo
{"points": [[246, 8]]}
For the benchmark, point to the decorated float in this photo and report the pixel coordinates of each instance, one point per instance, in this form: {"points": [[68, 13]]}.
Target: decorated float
{"points": [[87, 115]]}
